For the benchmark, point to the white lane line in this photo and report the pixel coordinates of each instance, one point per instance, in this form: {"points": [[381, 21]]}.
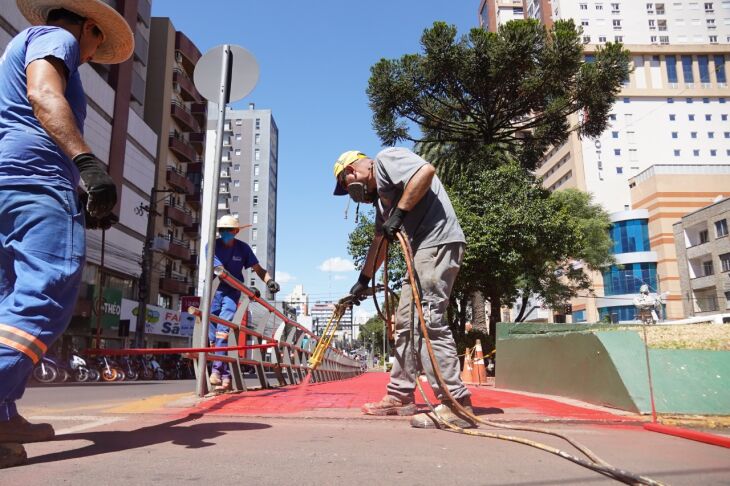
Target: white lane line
{"points": [[92, 421]]}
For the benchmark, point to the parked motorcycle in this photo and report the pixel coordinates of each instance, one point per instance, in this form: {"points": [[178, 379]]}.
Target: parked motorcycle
{"points": [[129, 368], [46, 371], [79, 370]]}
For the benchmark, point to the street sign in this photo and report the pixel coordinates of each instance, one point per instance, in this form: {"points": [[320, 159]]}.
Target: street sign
{"points": [[244, 73]]}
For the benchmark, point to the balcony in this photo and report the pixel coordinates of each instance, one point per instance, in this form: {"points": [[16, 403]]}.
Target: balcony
{"points": [[174, 285], [182, 148], [225, 174], [200, 112], [189, 54], [194, 199], [187, 88], [178, 248], [179, 181], [181, 114], [192, 261], [177, 215], [195, 167], [192, 229], [197, 140]]}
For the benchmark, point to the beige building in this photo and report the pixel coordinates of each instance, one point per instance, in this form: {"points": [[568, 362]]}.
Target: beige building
{"points": [[176, 111], [668, 193]]}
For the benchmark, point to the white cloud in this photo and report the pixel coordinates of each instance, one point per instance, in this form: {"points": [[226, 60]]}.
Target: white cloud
{"points": [[283, 277], [337, 264], [340, 277]]}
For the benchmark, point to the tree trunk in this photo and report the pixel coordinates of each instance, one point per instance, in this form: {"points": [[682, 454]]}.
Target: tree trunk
{"points": [[525, 300], [495, 316], [479, 317]]}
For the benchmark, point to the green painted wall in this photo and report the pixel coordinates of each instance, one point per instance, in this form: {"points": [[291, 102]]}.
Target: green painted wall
{"points": [[608, 367]]}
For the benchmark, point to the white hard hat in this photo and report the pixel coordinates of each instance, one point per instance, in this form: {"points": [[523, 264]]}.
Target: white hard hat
{"points": [[228, 221]]}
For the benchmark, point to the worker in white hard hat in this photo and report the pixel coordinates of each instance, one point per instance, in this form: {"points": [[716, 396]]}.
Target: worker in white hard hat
{"points": [[234, 256]]}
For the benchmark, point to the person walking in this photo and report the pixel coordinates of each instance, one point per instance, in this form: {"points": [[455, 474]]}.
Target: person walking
{"points": [[234, 256], [43, 157], [409, 197]]}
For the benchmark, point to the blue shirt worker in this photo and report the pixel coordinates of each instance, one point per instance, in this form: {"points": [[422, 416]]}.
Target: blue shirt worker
{"points": [[43, 158], [234, 256], [409, 197]]}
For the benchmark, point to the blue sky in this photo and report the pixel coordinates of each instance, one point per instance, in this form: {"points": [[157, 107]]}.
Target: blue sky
{"points": [[315, 60]]}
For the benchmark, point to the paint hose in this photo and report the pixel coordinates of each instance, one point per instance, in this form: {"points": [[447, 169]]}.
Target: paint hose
{"points": [[593, 463]]}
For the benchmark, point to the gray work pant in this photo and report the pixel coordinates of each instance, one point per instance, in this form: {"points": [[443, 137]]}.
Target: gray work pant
{"points": [[437, 268]]}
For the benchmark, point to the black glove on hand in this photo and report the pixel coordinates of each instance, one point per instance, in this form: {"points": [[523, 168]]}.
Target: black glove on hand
{"points": [[256, 292], [393, 224], [98, 185], [359, 289], [272, 286], [104, 223]]}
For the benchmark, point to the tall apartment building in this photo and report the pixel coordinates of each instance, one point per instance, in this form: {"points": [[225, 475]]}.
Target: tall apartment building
{"points": [[118, 135], [248, 182], [176, 111], [299, 301], [493, 13]]}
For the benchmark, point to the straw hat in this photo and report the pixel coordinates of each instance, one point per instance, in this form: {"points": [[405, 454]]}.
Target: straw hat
{"points": [[118, 42]]}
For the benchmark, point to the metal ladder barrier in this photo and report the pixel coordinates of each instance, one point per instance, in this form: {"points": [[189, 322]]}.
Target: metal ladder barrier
{"points": [[259, 324]]}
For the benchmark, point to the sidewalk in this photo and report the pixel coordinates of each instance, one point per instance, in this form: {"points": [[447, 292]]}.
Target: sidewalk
{"points": [[343, 399]]}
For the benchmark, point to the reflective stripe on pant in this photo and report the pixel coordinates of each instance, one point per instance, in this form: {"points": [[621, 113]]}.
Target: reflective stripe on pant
{"points": [[437, 268], [42, 248], [224, 306]]}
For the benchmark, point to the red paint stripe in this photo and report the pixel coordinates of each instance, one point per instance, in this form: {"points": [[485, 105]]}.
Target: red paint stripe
{"points": [[713, 439]]}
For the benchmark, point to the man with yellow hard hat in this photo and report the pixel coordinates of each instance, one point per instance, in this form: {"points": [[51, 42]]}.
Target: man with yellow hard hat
{"points": [[235, 256], [409, 197], [43, 160]]}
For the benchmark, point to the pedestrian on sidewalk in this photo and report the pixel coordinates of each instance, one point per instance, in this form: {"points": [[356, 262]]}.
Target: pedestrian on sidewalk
{"points": [[409, 197], [234, 256], [42, 157]]}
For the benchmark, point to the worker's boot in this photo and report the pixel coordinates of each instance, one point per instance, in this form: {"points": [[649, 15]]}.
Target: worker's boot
{"points": [[390, 405], [447, 412], [20, 431], [215, 378], [224, 386], [12, 454]]}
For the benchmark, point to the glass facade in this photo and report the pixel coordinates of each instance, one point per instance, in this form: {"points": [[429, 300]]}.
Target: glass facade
{"points": [[704, 64], [579, 316], [687, 69], [671, 62], [630, 236], [720, 68], [628, 278], [618, 313]]}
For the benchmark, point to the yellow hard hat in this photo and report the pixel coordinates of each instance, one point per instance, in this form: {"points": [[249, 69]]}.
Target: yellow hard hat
{"points": [[228, 221], [345, 159]]}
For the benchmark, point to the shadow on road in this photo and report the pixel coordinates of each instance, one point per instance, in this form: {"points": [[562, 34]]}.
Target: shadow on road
{"points": [[179, 432]]}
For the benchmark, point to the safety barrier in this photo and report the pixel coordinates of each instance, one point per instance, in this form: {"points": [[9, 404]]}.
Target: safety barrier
{"points": [[256, 326]]}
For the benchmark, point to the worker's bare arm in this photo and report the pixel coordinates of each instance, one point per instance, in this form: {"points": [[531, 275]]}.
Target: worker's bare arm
{"points": [[46, 88], [419, 184]]}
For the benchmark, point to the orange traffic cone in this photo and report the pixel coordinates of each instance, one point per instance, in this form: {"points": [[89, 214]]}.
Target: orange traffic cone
{"points": [[479, 375], [468, 370]]}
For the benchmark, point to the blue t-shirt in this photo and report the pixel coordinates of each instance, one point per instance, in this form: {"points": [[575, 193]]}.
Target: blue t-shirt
{"points": [[234, 259], [28, 155]]}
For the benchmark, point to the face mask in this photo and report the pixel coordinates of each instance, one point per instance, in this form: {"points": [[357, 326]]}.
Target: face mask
{"points": [[358, 192], [227, 237]]}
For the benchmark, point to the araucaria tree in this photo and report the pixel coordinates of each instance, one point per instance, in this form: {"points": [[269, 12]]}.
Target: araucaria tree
{"points": [[484, 108]]}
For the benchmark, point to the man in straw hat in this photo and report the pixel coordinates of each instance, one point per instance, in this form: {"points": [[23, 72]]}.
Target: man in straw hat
{"points": [[233, 255], [43, 157], [409, 197]]}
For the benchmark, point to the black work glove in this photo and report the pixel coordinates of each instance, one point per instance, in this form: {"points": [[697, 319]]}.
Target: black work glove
{"points": [[358, 290], [93, 223], [98, 184], [256, 292], [393, 224], [272, 286]]}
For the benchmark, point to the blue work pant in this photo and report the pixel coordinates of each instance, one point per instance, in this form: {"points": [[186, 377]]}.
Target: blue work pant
{"points": [[224, 306], [42, 251]]}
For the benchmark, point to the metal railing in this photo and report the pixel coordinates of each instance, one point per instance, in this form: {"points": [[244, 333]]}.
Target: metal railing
{"points": [[258, 323]]}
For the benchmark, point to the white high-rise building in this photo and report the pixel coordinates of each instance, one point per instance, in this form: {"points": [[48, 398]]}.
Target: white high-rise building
{"points": [[299, 301]]}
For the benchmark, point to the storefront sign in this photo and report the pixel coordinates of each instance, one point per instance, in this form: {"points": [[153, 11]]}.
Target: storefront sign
{"points": [[109, 307], [160, 321]]}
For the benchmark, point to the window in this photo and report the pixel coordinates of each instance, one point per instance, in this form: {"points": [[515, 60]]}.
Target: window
{"points": [[601, 38], [687, 70], [627, 100], [238, 136], [615, 8], [255, 201], [676, 152], [650, 8], [672, 117], [710, 134], [256, 169], [707, 268], [254, 234], [253, 249], [713, 39], [675, 135], [239, 122], [721, 228], [725, 262], [619, 170], [660, 9], [584, 6], [236, 183], [653, 39], [617, 152], [618, 38], [713, 153], [612, 117], [236, 198], [616, 24], [664, 40], [652, 24], [586, 39], [662, 25], [711, 24], [255, 218], [257, 154], [724, 117], [705, 100], [671, 62], [255, 186], [708, 7], [704, 63], [691, 117], [614, 134], [704, 236], [599, 6], [237, 168], [720, 69], [258, 123], [696, 152], [690, 100], [693, 134], [727, 134], [238, 151]]}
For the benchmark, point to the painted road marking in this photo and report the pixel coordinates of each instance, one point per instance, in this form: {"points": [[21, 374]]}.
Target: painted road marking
{"points": [[93, 421]]}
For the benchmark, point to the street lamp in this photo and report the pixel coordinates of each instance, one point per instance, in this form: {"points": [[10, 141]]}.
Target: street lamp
{"points": [[144, 278]]}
